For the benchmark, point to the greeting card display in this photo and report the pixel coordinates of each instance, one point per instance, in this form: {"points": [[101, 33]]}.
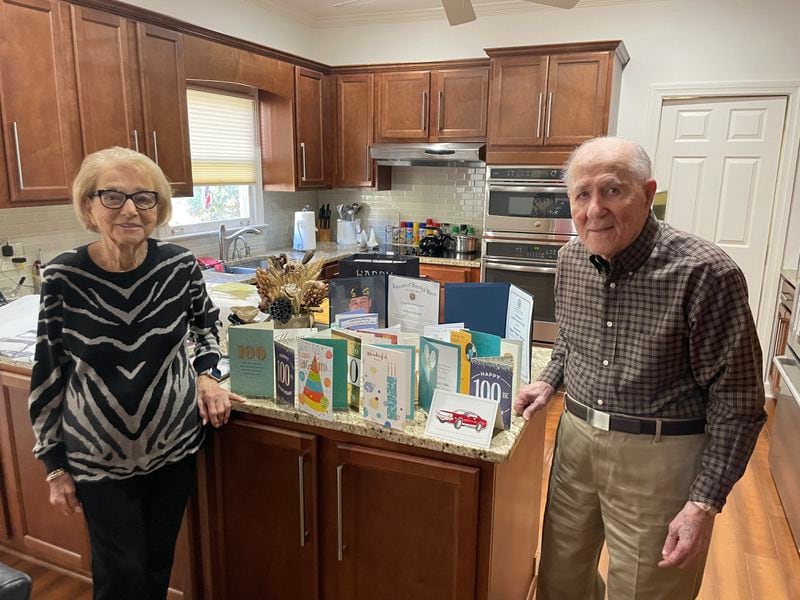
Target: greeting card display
{"points": [[354, 340], [285, 371], [439, 368], [463, 339], [315, 379], [461, 418], [413, 303], [252, 363], [386, 392]]}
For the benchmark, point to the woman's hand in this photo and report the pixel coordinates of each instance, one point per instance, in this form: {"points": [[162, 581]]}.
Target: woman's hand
{"points": [[213, 401], [62, 494]]}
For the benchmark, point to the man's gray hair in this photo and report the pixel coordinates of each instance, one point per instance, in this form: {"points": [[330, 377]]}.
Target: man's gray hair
{"points": [[640, 164]]}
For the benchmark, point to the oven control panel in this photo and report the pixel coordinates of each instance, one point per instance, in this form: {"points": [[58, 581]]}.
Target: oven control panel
{"points": [[523, 250], [525, 174]]}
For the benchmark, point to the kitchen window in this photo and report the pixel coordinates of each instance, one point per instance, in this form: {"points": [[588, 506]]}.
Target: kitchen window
{"points": [[225, 158]]}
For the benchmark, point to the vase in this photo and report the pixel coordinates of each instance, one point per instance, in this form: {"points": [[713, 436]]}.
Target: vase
{"points": [[295, 322]]}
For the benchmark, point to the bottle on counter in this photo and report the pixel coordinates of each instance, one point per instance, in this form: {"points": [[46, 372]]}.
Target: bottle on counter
{"points": [[409, 233], [415, 233]]}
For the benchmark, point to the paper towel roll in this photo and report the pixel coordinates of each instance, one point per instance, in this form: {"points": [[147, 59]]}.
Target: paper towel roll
{"points": [[304, 230]]}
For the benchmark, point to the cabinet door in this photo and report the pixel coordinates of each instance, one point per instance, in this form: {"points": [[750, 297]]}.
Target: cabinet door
{"points": [[406, 526], [267, 485], [781, 338], [39, 528], [459, 99], [38, 102], [517, 101], [108, 89], [577, 98], [355, 126], [163, 86], [309, 98], [403, 104]]}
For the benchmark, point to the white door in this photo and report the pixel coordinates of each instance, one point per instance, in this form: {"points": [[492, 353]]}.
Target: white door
{"points": [[718, 160]]}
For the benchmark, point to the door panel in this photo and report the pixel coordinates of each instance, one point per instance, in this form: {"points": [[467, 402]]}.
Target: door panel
{"points": [[403, 102], [355, 104], [517, 101], [459, 100], [408, 526], [718, 159], [309, 93]]}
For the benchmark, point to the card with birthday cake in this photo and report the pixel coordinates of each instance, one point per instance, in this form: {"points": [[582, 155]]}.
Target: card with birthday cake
{"points": [[315, 379]]}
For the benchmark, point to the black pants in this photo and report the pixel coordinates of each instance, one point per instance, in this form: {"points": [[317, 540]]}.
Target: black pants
{"points": [[133, 524]]}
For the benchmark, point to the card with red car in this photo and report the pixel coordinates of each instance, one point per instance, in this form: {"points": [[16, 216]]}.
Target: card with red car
{"points": [[462, 419]]}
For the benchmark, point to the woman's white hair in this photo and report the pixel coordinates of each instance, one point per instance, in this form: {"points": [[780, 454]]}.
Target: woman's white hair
{"points": [[85, 183], [640, 165]]}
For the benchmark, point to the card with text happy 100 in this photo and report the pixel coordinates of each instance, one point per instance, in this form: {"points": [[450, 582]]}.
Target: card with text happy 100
{"points": [[251, 355]]}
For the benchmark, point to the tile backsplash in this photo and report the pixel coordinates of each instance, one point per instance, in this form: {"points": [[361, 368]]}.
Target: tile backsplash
{"points": [[444, 194]]}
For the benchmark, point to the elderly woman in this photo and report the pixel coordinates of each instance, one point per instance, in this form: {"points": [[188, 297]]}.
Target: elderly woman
{"points": [[116, 403]]}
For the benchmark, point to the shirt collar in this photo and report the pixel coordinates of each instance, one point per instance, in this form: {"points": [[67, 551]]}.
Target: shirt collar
{"points": [[635, 255]]}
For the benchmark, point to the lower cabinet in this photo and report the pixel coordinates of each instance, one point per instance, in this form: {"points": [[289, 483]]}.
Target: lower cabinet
{"points": [[449, 274], [302, 512]]}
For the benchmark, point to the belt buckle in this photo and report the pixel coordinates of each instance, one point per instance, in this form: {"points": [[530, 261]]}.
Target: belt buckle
{"points": [[598, 419]]}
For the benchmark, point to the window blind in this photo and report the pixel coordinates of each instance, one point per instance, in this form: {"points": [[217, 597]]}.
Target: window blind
{"points": [[222, 138]]}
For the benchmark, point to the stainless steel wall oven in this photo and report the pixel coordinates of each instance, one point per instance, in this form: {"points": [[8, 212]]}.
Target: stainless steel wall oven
{"points": [[526, 221]]}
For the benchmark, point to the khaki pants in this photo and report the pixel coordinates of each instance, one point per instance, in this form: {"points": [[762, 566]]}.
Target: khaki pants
{"points": [[624, 488]]}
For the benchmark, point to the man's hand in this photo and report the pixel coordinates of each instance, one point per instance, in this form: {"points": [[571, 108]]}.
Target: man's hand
{"points": [[533, 398], [62, 494], [213, 401], [689, 536]]}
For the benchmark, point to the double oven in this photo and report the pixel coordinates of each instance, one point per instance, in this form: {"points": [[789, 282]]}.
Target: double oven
{"points": [[525, 223]]}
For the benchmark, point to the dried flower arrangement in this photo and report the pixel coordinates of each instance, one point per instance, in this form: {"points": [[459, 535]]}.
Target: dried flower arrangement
{"points": [[289, 288]]}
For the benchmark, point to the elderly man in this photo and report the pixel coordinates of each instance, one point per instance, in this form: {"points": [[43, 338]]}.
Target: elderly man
{"points": [[664, 399]]}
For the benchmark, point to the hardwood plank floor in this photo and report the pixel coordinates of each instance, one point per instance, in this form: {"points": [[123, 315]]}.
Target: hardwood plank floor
{"points": [[752, 555]]}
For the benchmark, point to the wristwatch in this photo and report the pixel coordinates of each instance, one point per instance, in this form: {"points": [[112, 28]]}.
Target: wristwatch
{"points": [[209, 373], [706, 508]]}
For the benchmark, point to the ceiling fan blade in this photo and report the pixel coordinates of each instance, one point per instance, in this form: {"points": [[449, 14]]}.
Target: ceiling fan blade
{"points": [[556, 3], [458, 11]]}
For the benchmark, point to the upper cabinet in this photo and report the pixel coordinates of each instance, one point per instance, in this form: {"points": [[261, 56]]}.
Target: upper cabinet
{"points": [[354, 101], [422, 106], [133, 90], [41, 137], [311, 91], [545, 100]]}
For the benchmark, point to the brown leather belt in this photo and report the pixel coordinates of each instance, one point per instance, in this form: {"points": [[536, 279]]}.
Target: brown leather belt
{"points": [[611, 422]]}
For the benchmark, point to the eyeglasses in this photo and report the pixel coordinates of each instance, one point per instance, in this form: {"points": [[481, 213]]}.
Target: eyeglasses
{"points": [[115, 199]]}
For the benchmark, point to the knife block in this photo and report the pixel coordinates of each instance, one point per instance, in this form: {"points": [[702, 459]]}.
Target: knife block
{"points": [[324, 235]]}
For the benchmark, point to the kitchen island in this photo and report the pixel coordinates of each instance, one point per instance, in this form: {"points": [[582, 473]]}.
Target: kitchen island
{"points": [[289, 506]]}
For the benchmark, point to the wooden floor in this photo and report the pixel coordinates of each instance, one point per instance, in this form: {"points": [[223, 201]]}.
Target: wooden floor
{"points": [[752, 556]]}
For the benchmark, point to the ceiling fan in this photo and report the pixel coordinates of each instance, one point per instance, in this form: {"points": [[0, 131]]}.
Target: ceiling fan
{"points": [[461, 11]]}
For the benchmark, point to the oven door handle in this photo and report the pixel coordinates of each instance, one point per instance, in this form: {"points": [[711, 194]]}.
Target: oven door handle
{"points": [[531, 187], [520, 268]]}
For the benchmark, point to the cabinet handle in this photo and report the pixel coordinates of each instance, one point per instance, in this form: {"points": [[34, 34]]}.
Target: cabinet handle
{"points": [[425, 111], [303, 157], [366, 167], [549, 113], [340, 546], [136, 139], [539, 117], [19, 156], [439, 111], [155, 146], [302, 501]]}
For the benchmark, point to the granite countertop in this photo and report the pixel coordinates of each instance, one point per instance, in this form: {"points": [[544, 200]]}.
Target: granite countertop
{"points": [[503, 443]]}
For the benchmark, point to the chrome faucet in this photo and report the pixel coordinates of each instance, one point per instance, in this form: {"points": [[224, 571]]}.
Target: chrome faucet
{"points": [[225, 240]]}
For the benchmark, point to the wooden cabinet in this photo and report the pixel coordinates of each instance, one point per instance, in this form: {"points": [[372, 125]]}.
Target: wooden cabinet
{"points": [[133, 90], [305, 512], [780, 335], [309, 110], [354, 104], [440, 105], [38, 96], [268, 531], [330, 270], [448, 274], [30, 525], [545, 100], [395, 509]]}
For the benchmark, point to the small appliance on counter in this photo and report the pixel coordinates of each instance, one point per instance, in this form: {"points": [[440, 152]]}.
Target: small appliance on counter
{"points": [[348, 226], [305, 236]]}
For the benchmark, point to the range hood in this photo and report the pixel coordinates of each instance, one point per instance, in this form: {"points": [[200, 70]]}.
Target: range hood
{"points": [[429, 155]]}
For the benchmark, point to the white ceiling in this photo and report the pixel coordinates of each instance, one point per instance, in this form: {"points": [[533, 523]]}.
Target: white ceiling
{"points": [[324, 13]]}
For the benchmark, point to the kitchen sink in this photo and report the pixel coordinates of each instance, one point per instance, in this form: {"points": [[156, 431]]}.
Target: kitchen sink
{"points": [[246, 268]]}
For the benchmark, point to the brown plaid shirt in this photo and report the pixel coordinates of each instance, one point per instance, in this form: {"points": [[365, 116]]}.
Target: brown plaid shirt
{"points": [[664, 330]]}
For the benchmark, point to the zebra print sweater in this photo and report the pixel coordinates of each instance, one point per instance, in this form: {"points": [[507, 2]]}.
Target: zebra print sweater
{"points": [[112, 388]]}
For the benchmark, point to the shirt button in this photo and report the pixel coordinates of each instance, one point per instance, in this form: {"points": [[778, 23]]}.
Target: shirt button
{"points": [[630, 273], [612, 285], [609, 324], [605, 363], [600, 403]]}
